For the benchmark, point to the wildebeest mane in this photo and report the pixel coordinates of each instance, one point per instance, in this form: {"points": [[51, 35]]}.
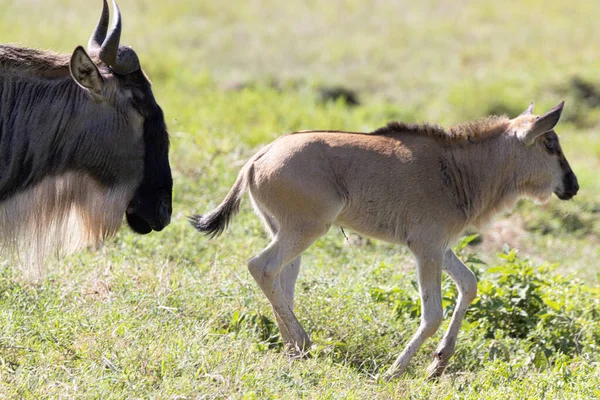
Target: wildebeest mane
{"points": [[37, 62], [57, 216]]}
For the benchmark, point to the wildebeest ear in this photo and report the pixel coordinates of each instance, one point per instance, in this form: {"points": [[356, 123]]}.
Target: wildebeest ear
{"points": [[85, 72], [529, 110], [543, 124]]}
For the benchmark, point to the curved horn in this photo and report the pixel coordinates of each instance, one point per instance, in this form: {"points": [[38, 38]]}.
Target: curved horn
{"points": [[110, 46], [99, 33], [529, 110], [121, 59]]}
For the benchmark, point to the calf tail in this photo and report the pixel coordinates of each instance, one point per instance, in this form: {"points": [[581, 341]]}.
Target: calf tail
{"points": [[214, 223]]}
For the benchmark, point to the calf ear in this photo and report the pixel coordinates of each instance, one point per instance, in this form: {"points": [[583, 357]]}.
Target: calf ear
{"points": [[543, 124], [85, 72]]}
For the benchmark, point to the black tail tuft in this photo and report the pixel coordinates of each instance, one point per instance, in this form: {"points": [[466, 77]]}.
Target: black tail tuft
{"points": [[211, 225], [215, 222]]}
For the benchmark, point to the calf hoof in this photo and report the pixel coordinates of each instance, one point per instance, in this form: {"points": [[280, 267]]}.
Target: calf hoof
{"points": [[437, 367], [298, 349], [391, 373]]}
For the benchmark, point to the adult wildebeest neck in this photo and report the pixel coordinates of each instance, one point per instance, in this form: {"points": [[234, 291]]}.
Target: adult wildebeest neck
{"points": [[60, 129]]}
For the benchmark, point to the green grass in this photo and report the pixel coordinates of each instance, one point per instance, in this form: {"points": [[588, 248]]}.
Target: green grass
{"points": [[175, 315]]}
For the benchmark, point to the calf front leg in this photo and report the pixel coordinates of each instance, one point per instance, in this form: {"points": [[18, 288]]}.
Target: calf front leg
{"points": [[429, 273], [466, 282]]}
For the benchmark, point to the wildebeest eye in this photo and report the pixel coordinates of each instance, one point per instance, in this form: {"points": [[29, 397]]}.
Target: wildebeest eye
{"points": [[551, 145]]}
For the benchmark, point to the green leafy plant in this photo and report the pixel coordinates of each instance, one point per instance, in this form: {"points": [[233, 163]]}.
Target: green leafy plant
{"points": [[523, 311]]}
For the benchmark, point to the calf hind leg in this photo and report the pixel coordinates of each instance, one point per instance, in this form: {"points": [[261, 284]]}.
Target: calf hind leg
{"points": [[267, 267], [287, 276], [287, 280], [289, 273]]}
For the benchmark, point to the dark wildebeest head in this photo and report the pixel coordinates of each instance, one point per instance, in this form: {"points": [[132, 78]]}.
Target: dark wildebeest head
{"points": [[82, 142], [120, 79], [544, 150]]}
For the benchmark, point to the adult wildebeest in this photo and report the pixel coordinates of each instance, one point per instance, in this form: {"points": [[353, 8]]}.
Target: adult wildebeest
{"points": [[418, 185], [82, 142]]}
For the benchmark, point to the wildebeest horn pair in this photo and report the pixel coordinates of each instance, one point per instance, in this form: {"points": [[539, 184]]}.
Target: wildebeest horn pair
{"points": [[121, 59]]}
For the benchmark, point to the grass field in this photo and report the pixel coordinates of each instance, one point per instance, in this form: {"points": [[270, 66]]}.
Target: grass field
{"points": [[174, 315]]}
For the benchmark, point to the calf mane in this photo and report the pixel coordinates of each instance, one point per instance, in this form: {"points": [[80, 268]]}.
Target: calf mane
{"points": [[32, 61], [472, 131]]}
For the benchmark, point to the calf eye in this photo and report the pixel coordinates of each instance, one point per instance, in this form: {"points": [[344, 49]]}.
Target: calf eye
{"points": [[551, 145]]}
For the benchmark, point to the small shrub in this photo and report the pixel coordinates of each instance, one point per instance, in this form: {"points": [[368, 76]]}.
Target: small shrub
{"points": [[523, 313]]}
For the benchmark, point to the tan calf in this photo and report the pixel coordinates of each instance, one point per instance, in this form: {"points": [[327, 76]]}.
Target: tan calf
{"points": [[417, 185]]}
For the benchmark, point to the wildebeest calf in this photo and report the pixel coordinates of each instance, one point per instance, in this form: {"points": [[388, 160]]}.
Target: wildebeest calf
{"points": [[82, 142], [418, 185]]}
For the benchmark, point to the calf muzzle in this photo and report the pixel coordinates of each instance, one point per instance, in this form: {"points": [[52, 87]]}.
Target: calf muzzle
{"points": [[570, 187]]}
